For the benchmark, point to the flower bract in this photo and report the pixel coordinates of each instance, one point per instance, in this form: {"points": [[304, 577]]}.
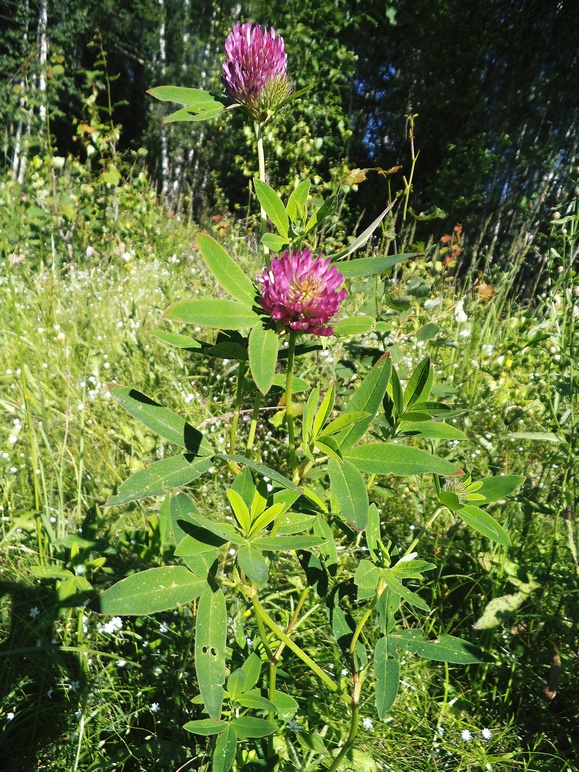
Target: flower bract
{"points": [[302, 293], [255, 70]]}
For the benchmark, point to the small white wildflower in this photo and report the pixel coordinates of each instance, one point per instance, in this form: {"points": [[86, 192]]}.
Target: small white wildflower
{"points": [[155, 707], [116, 623], [121, 662], [10, 715], [34, 612], [459, 313], [74, 686], [367, 723], [466, 735], [344, 672], [293, 726], [486, 733], [163, 629]]}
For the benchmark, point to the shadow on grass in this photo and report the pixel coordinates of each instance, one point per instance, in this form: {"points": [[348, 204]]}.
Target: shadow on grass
{"points": [[32, 669]]}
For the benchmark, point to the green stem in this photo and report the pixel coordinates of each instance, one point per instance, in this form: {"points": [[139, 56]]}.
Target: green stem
{"points": [[261, 164], [262, 614], [424, 530], [292, 622], [350, 739], [253, 424], [238, 401], [288, 401], [414, 158], [360, 626]]}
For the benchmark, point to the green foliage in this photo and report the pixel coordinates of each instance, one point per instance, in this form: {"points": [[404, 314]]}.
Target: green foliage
{"points": [[323, 556]]}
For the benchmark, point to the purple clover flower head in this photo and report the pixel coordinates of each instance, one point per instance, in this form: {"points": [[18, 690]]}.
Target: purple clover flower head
{"points": [[255, 71], [302, 293]]}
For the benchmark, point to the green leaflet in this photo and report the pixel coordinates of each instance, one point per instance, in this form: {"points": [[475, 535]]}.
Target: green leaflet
{"points": [[298, 202], [220, 314], [447, 648], [354, 325], [225, 748], [367, 398], [263, 348], [161, 420], [482, 522], [157, 477], [347, 485], [388, 458], [273, 206], [369, 266], [153, 590], [387, 673], [496, 488], [251, 562], [226, 270], [210, 644]]}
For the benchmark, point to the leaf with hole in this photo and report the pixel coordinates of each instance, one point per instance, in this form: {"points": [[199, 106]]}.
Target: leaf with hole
{"points": [[210, 645]]}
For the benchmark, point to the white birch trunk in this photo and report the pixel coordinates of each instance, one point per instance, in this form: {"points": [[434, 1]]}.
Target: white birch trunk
{"points": [[165, 166], [43, 56], [16, 156]]}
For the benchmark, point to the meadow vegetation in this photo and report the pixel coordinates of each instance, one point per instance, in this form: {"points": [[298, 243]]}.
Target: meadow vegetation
{"points": [[81, 300], [274, 608]]}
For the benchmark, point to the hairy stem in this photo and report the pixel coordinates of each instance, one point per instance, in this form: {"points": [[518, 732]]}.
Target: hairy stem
{"points": [[238, 401], [261, 163], [288, 401]]}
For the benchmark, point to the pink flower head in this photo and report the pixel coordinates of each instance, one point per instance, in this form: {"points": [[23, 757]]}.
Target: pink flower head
{"points": [[255, 71], [302, 293]]}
